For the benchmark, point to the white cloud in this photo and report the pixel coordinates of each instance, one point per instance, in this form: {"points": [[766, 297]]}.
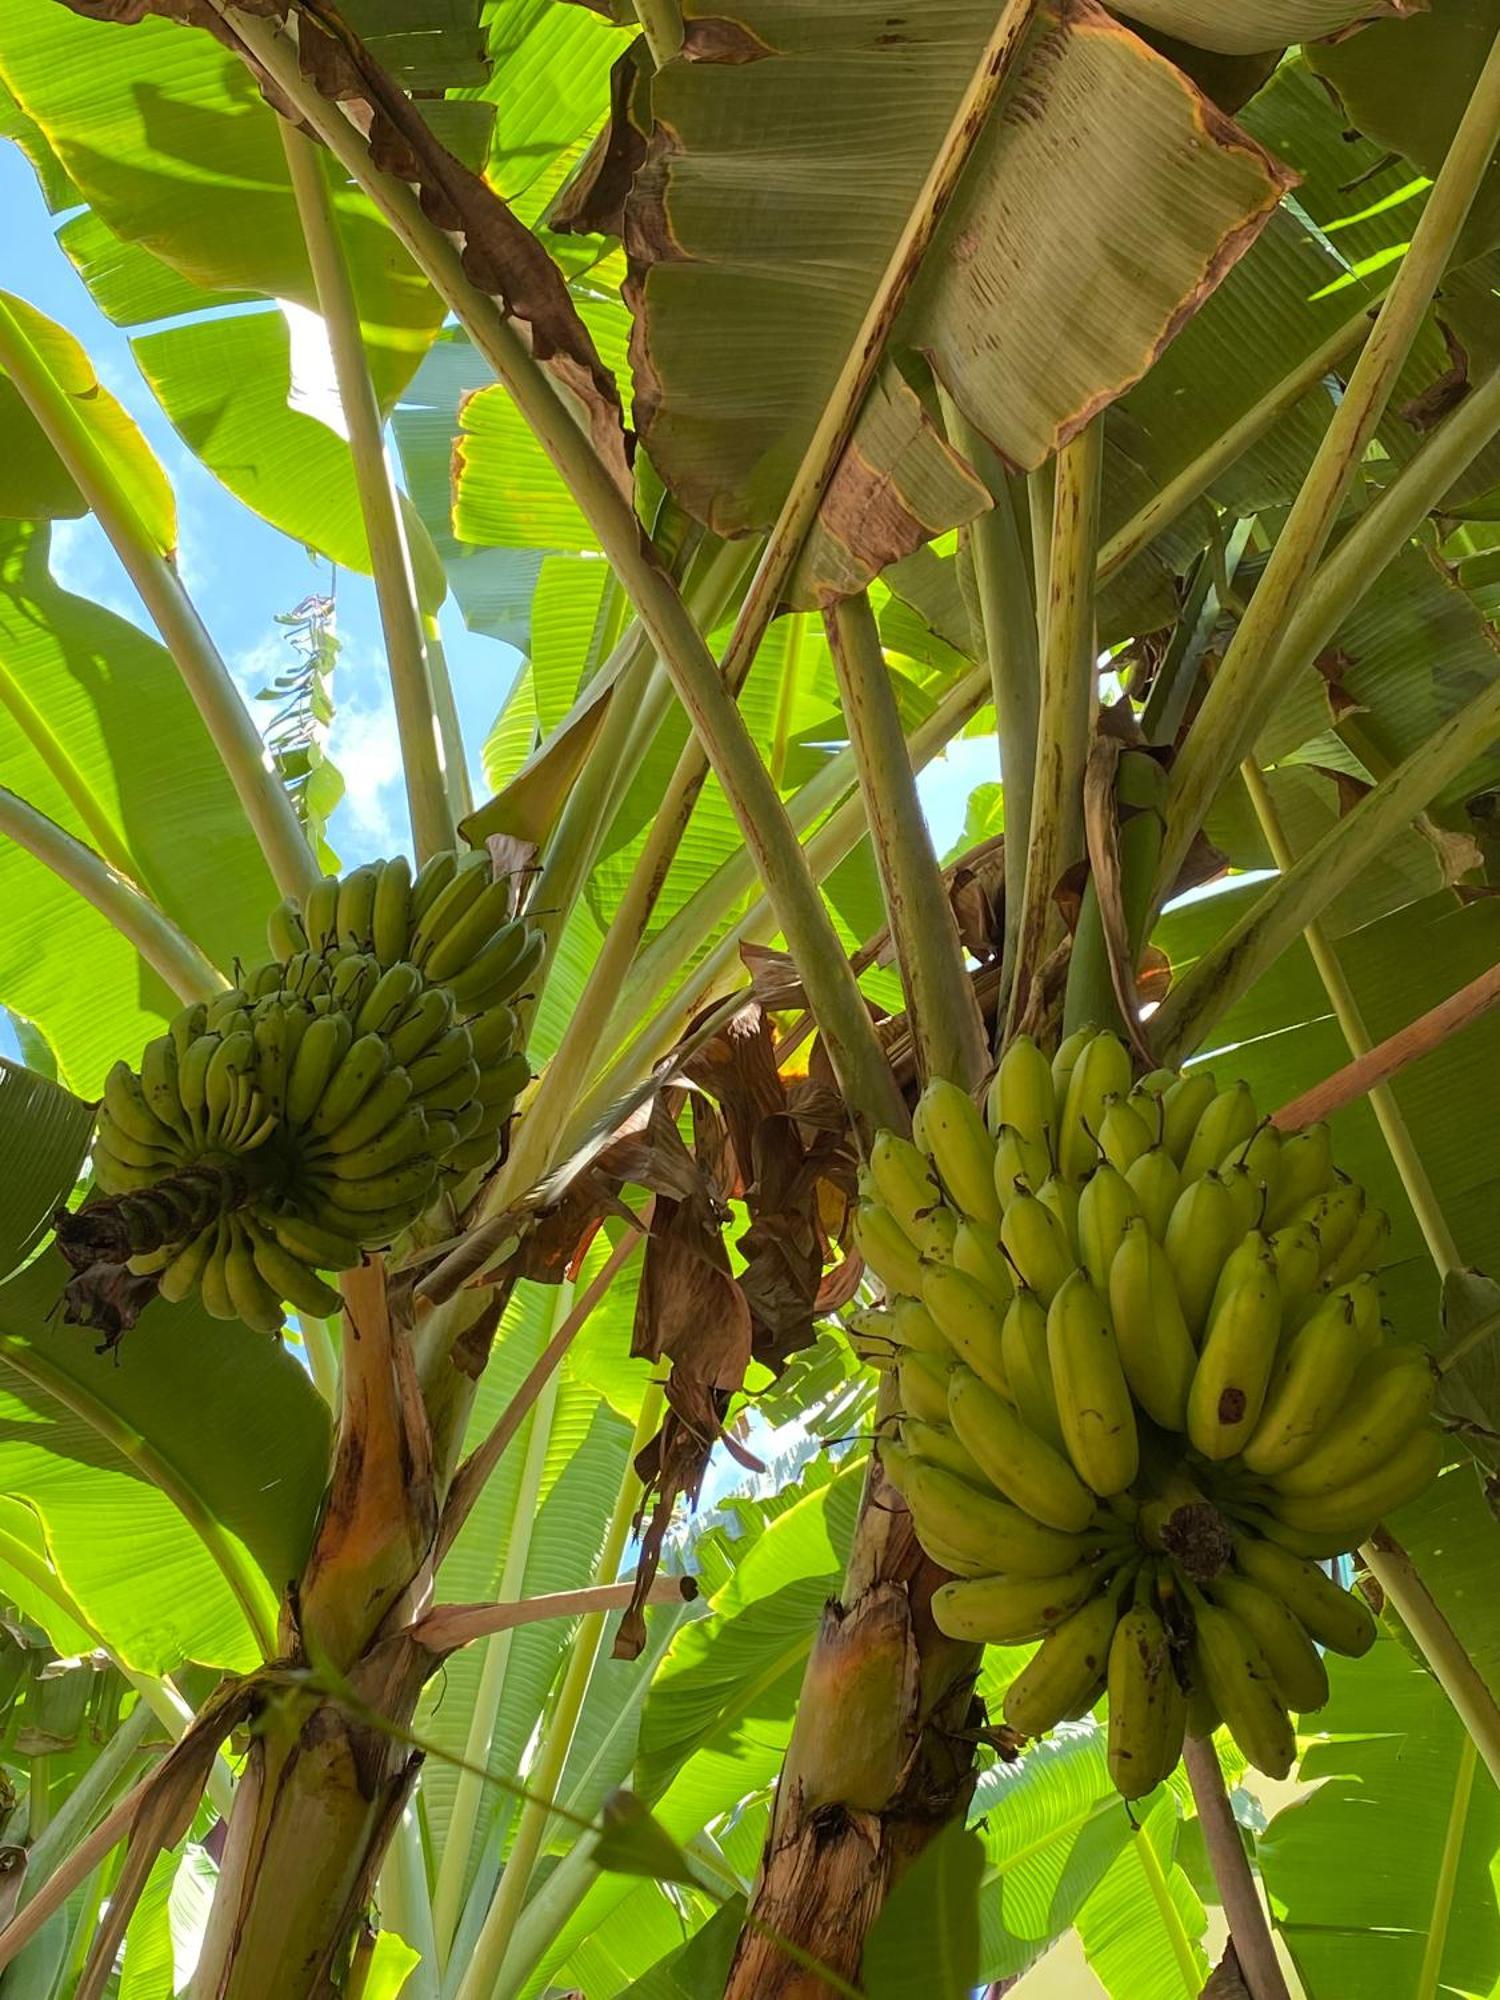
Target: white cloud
{"points": [[81, 560], [365, 746]]}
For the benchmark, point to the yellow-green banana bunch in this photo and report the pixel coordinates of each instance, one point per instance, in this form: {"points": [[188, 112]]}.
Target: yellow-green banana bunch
{"points": [[311, 1113], [1144, 1387]]}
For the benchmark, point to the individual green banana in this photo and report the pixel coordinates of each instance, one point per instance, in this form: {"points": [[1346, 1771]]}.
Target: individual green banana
{"points": [[493, 1033], [1124, 1135], [1037, 1245], [289, 1276], [213, 1282], [961, 1150], [1243, 1689], [324, 1044], [1064, 1670], [117, 1176], [1101, 1072], [977, 1253], [1223, 1127], [192, 1070], [373, 1228], [938, 1446], [1139, 1678], [431, 880], [1356, 1508], [1299, 1259], [443, 1060], [887, 1249], [970, 1319], [1247, 1197], [1183, 1104], [1239, 1349], [923, 1383], [459, 1090], [1304, 1169], [224, 1011], [234, 1055], [1156, 1182], [356, 908], [1020, 1166], [1106, 1205], [1334, 1215], [323, 1249], [185, 1028], [181, 1278], [320, 914], [394, 992], [1093, 1397], [499, 972], [408, 1137], [869, 1331], [411, 1183], [1015, 1461], [1010, 1610], [467, 884], [1390, 1396], [1364, 1250], [1260, 1155], [126, 1102], [159, 1085], [285, 933], [1336, 1618], [1062, 1065], [1201, 1233], [912, 1325], [977, 1526], [252, 1298], [360, 1068], [429, 1018], [504, 1080], [906, 1184], [1023, 1354], [1061, 1196], [478, 1150], [1307, 1388], [390, 911], [1299, 1674], [486, 918], [1156, 1348], [1022, 1095]]}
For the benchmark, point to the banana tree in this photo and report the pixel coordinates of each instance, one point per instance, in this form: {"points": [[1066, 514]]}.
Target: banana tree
{"points": [[802, 389]]}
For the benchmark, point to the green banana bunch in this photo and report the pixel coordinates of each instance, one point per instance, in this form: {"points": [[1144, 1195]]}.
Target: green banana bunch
{"points": [[1143, 1389], [311, 1112]]}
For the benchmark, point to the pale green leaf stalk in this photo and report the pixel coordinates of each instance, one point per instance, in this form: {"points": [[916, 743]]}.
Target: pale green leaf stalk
{"points": [[401, 622], [484, 1977], [946, 1024], [208, 681], [447, 1901]]}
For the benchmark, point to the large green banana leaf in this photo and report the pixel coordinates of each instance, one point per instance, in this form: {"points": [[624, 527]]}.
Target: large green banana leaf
{"points": [[98, 732]]}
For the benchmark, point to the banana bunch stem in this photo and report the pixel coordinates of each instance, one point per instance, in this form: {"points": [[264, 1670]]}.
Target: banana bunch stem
{"points": [[1249, 1929]]}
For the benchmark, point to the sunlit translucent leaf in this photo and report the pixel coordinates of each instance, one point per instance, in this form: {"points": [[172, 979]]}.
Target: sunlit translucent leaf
{"points": [[1352, 1870], [1133, 1944], [34, 483], [81, 687], [925, 1942], [196, 1457]]}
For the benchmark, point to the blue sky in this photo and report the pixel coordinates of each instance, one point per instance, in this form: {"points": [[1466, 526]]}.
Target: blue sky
{"points": [[241, 572]]}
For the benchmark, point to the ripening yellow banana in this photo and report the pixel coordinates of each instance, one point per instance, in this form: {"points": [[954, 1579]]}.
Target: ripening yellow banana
{"points": [[961, 1150], [1022, 1094], [1094, 1404], [1015, 1461]]}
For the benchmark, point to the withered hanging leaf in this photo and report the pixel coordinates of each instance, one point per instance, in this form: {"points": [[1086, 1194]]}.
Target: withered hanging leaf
{"points": [[500, 254], [593, 202], [976, 889], [1425, 412]]}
